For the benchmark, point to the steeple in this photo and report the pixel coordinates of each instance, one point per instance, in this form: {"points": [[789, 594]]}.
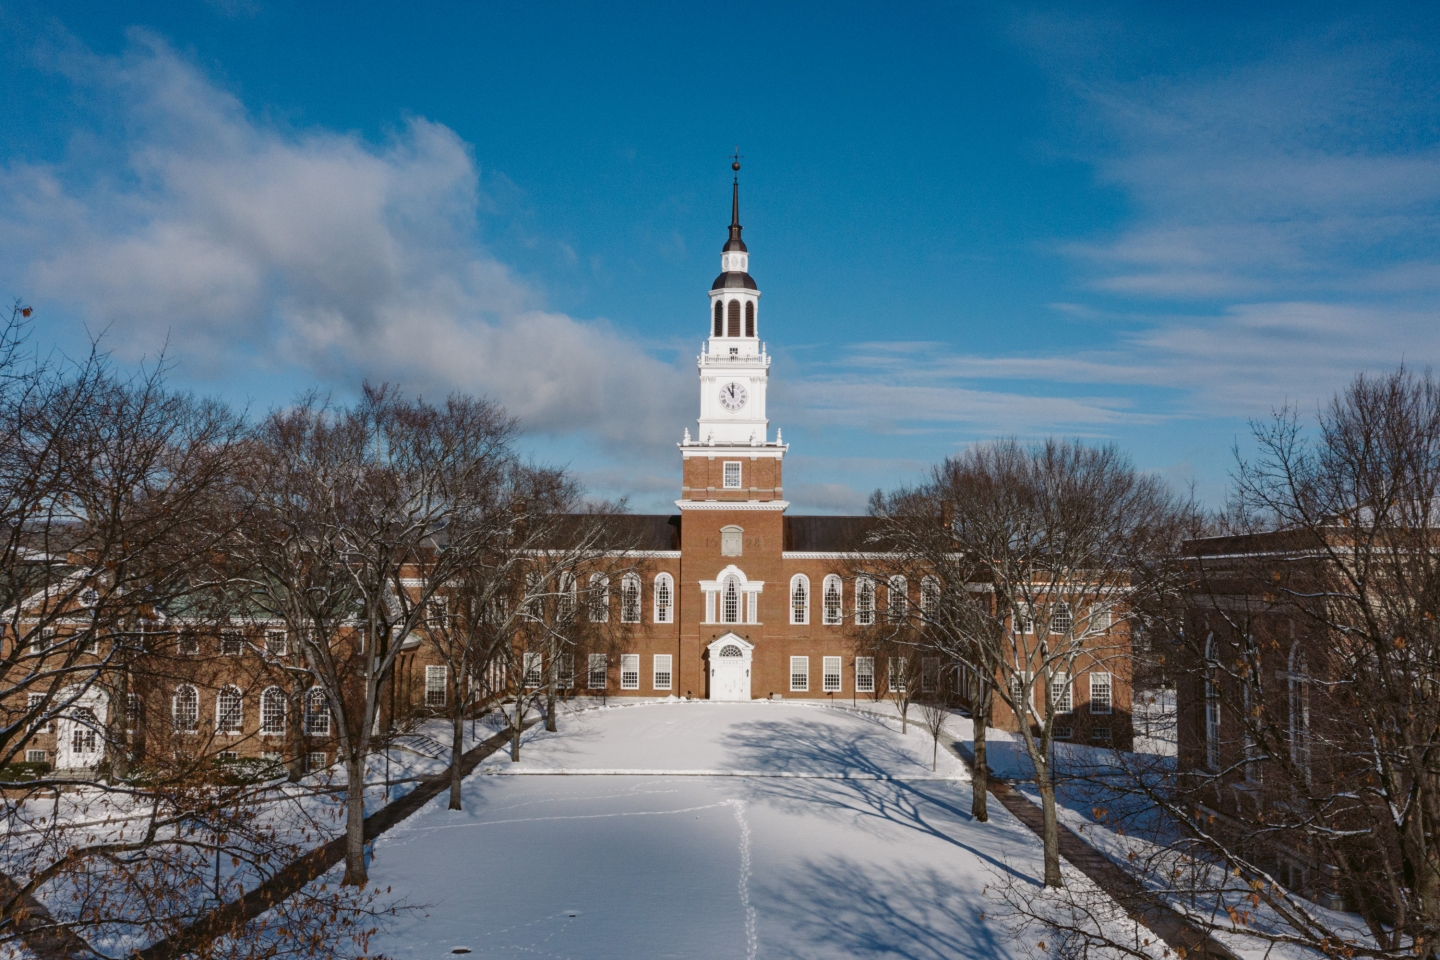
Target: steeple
{"points": [[734, 258], [735, 243]]}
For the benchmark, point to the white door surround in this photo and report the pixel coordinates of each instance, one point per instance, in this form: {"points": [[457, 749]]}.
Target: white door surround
{"points": [[80, 732], [730, 656]]}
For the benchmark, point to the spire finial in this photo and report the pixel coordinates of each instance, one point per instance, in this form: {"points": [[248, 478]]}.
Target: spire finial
{"points": [[735, 243]]}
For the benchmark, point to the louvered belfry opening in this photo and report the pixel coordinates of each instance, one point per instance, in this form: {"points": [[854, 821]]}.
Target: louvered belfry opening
{"points": [[734, 324], [719, 317], [750, 319]]}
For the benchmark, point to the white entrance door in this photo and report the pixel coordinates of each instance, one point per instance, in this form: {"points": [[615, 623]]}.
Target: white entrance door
{"points": [[729, 673], [79, 734]]}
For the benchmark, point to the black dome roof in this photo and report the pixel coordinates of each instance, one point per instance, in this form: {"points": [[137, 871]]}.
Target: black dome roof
{"points": [[732, 278]]}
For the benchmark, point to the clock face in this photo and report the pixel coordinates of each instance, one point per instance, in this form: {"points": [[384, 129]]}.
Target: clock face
{"points": [[732, 396]]}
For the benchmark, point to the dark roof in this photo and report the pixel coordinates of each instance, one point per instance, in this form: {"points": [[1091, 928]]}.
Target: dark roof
{"points": [[734, 279], [652, 531], [827, 534]]}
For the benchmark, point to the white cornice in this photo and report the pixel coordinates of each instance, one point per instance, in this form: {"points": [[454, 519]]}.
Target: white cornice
{"points": [[732, 504]]}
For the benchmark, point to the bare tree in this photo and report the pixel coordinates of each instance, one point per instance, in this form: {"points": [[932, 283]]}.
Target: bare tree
{"points": [[934, 714]]}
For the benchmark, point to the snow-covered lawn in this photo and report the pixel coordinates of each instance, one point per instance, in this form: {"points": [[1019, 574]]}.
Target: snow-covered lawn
{"points": [[867, 855]]}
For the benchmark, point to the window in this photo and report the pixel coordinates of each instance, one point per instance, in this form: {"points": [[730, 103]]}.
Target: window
{"points": [[929, 596], [630, 599], [731, 651], [664, 598], [629, 671], [897, 591], [830, 675], [1299, 710], [1100, 734], [276, 643], [895, 674], [662, 671], [599, 672], [1060, 619], [1024, 618], [186, 709], [32, 704], [1062, 731], [752, 614], [749, 318], [316, 760], [719, 318], [1099, 619], [731, 607], [272, 712], [435, 676], [565, 671], [534, 670], [89, 597], [864, 601], [437, 611], [1060, 694], [225, 756], [864, 674], [599, 598], [732, 541], [833, 598], [567, 603], [317, 713], [799, 674], [732, 475], [1100, 693], [231, 644], [189, 644], [229, 710], [85, 737], [930, 674], [41, 639], [1212, 706], [34, 756], [1018, 702], [799, 599], [133, 706], [732, 327]]}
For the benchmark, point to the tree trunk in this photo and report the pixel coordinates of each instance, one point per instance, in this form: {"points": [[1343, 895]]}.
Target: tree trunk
{"points": [[355, 873], [457, 747], [120, 760], [980, 781], [550, 712], [295, 725], [515, 724], [935, 755], [1051, 834]]}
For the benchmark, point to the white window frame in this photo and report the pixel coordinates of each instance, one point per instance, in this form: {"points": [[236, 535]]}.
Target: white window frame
{"points": [[1062, 618], [187, 644], [730, 590], [833, 603], [752, 607], [897, 598], [232, 643], [732, 475], [1062, 694], [629, 671], [192, 698], [630, 597], [317, 713], [1025, 705], [316, 760], [277, 643], [799, 674], [133, 708], [664, 598], [1100, 734], [710, 604], [892, 674], [1102, 693], [599, 598], [864, 601], [799, 599], [268, 698], [226, 725], [831, 674], [929, 674], [662, 676], [564, 671], [437, 676], [35, 756], [1023, 617], [534, 670], [598, 666], [864, 674]]}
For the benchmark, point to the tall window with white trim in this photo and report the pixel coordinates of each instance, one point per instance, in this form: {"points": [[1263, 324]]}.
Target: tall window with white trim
{"points": [[276, 644], [229, 710], [864, 601], [534, 670], [599, 598], [896, 674], [799, 674], [317, 713], [799, 598], [1100, 693], [899, 599], [664, 598], [630, 598], [731, 600], [662, 671], [565, 670], [272, 712], [629, 671], [929, 595], [1060, 693], [930, 674], [864, 674], [435, 677], [185, 709], [732, 475], [833, 600], [1061, 620], [830, 674], [599, 672], [1212, 705]]}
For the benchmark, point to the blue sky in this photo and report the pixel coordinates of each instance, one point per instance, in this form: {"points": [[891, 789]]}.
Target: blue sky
{"points": [[1117, 222]]}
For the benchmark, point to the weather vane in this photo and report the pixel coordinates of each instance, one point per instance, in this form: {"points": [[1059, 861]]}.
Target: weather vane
{"points": [[736, 158]]}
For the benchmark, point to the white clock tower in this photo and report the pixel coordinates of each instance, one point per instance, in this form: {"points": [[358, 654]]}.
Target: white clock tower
{"points": [[734, 373]]}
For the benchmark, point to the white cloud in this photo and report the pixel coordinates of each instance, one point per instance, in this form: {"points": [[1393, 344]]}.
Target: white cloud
{"points": [[246, 242]]}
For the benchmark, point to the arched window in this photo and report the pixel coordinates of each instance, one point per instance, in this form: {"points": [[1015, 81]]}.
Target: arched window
{"points": [[730, 612], [719, 318], [1212, 706], [565, 605], [929, 595], [799, 598], [229, 710], [599, 598], [864, 601], [186, 708], [899, 598], [733, 327], [1299, 710], [630, 598], [732, 651], [664, 599], [317, 713], [1060, 618], [750, 318], [272, 711], [833, 598]]}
